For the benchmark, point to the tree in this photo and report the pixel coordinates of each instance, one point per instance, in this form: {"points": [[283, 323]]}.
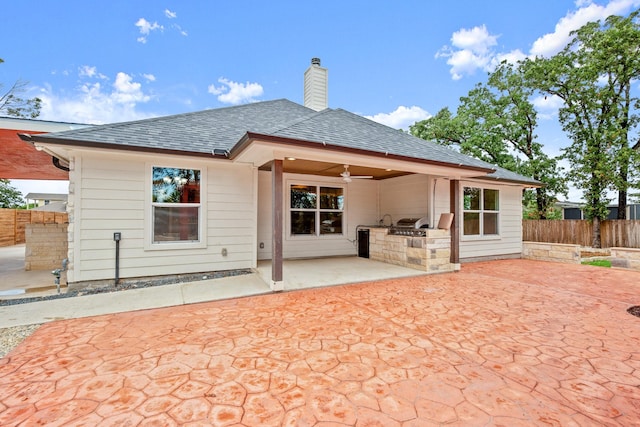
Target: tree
{"points": [[10, 197], [11, 104], [593, 76], [496, 123]]}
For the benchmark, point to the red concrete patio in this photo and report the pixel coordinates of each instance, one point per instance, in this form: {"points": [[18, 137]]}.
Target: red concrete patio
{"points": [[503, 343]]}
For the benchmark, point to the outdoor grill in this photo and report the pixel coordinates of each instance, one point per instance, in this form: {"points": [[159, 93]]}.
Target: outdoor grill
{"points": [[410, 227]]}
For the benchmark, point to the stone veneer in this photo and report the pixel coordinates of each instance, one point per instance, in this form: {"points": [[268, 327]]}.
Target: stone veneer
{"points": [[430, 254], [557, 252]]}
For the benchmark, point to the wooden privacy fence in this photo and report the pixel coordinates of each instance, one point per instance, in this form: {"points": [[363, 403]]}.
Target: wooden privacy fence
{"points": [[14, 221], [613, 233]]}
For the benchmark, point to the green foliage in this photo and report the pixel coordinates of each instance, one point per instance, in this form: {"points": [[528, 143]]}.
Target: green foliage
{"points": [[10, 197], [530, 209], [598, 263], [593, 76], [496, 123], [11, 104]]}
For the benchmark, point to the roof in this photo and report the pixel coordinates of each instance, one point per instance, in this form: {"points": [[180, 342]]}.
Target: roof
{"points": [[52, 207], [344, 129], [502, 174], [47, 196], [194, 133], [201, 133]]}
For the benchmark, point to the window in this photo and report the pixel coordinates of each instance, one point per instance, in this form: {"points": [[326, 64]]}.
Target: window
{"points": [[316, 210], [175, 205], [481, 208]]}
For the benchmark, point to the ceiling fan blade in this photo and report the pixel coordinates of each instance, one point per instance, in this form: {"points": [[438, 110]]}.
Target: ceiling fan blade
{"points": [[362, 177]]}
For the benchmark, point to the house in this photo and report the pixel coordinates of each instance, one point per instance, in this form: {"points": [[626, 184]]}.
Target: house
{"points": [[44, 199], [224, 188], [571, 210]]}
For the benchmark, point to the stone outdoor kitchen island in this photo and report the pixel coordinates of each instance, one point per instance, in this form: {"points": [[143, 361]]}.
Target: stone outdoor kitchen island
{"points": [[430, 253]]}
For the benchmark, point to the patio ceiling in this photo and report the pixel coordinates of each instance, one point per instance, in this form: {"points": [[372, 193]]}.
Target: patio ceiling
{"points": [[330, 169]]}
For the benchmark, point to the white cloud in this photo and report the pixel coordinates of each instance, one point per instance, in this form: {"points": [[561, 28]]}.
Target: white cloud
{"points": [[547, 106], [169, 14], [510, 57], [95, 103], [149, 77], [552, 43], [476, 39], [234, 93], [401, 118], [180, 30], [473, 49], [127, 91], [146, 28], [87, 71], [470, 51]]}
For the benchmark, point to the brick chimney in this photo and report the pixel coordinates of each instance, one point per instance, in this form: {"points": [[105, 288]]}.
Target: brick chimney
{"points": [[316, 89]]}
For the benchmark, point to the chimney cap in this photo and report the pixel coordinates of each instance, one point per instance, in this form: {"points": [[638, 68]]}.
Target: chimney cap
{"points": [[315, 61]]}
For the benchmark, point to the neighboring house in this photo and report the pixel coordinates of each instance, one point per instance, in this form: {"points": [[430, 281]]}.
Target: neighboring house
{"points": [[221, 189], [572, 210], [43, 199]]}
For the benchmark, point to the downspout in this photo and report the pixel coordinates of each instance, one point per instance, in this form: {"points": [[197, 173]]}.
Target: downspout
{"points": [[433, 203], [54, 159], [433, 220], [56, 163]]}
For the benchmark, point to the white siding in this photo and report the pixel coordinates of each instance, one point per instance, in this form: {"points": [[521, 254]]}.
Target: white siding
{"points": [[316, 90], [510, 240], [360, 208], [112, 198], [405, 197]]}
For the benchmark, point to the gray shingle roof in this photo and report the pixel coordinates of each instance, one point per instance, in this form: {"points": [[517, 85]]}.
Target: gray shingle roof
{"points": [[198, 132], [204, 131], [344, 129]]}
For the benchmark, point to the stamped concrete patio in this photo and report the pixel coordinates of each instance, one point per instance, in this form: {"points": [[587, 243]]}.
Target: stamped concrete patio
{"points": [[509, 343]]}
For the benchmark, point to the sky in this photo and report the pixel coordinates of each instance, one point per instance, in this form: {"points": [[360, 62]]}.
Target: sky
{"points": [[396, 62]]}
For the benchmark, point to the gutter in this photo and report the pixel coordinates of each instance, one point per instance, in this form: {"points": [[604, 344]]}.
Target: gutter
{"points": [[62, 164], [32, 139]]}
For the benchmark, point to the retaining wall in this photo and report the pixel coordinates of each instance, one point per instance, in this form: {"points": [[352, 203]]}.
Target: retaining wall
{"points": [[558, 252], [625, 258]]}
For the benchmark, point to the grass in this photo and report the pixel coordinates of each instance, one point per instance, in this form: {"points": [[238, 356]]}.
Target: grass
{"points": [[598, 263]]}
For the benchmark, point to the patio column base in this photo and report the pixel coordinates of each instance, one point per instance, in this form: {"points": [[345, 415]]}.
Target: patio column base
{"points": [[456, 267], [277, 286]]}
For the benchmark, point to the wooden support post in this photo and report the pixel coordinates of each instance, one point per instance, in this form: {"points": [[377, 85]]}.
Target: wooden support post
{"points": [[277, 204]]}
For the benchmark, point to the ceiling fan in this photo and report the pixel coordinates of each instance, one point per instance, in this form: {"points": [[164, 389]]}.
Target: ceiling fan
{"points": [[346, 175]]}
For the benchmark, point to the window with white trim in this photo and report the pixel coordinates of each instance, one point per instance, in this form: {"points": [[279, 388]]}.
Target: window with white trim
{"points": [[316, 210], [481, 211], [175, 205]]}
